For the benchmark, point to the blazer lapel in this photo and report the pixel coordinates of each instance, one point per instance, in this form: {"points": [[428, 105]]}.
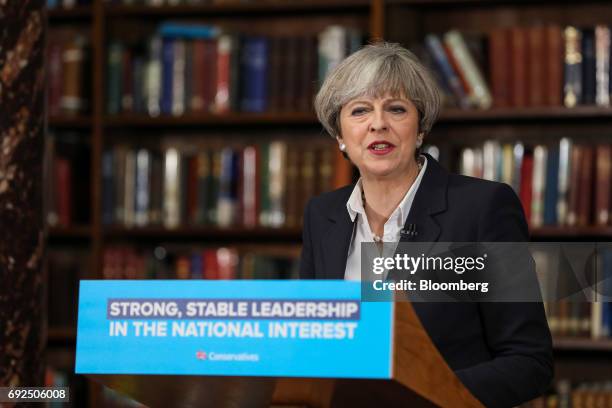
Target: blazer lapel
{"points": [[337, 240], [430, 199]]}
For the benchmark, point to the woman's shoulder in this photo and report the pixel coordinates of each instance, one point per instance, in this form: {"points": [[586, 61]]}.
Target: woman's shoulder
{"points": [[475, 188], [479, 194]]}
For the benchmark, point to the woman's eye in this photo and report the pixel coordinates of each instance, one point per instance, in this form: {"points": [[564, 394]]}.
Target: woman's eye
{"points": [[358, 111], [397, 109]]}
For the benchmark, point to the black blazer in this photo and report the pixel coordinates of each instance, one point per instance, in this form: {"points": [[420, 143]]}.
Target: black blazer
{"points": [[502, 352]]}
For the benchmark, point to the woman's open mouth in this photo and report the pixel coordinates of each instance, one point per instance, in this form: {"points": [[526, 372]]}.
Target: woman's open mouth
{"points": [[381, 147]]}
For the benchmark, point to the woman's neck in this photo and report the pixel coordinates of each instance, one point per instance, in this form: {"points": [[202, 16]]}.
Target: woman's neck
{"points": [[382, 196]]}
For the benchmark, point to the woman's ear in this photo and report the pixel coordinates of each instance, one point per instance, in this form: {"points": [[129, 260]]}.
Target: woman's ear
{"points": [[341, 144]]}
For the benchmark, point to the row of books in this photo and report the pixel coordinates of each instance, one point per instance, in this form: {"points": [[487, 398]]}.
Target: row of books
{"points": [[67, 189], [572, 308], [542, 65], [580, 318], [66, 4], [578, 394], [199, 68], [566, 184], [157, 3], [67, 71], [218, 184], [127, 262]]}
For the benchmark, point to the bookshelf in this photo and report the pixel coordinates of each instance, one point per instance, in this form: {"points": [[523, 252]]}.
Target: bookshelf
{"points": [[404, 21]]}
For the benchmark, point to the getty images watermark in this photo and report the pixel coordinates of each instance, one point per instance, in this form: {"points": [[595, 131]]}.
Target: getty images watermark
{"points": [[487, 271]]}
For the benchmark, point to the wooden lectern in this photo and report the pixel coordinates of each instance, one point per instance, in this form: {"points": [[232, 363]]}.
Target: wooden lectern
{"points": [[421, 378]]}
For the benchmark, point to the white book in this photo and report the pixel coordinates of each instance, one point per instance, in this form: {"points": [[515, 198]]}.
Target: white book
{"points": [[129, 192], [277, 165], [153, 77], [143, 169], [178, 78], [602, 65], [491, 152], [172, 199], [468, 162], [565, 151], [479, 90], [540, 154]]}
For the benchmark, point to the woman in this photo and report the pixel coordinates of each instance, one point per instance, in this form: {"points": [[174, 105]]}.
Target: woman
{"points": [[379, 104]]}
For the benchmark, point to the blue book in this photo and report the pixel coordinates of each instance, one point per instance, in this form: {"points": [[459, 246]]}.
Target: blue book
{"points": [[254, 73], [188, 31], [195, 266], [167, 73], [226, 206], [108, 188], [552, 186]]}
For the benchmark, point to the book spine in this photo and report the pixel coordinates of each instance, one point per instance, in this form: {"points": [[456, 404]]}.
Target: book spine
{"points": [[603, 184], [113, 96], [478, 87], [554, 65], [178, 78], [572, 87], [154, 78], [565, 150], [108, 188], [436, 49], [588, 67], [222, 94], [539, 185], [254, 62], [172, 215], [499, 63], [602, 64], [167, 76], [143, 168]]}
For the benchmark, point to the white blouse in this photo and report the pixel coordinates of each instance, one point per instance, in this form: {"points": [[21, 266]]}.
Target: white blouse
{"points": [[363, 233]]}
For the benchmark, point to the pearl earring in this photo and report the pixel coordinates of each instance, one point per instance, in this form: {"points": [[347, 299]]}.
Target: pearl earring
{"points": [[342, 147]]}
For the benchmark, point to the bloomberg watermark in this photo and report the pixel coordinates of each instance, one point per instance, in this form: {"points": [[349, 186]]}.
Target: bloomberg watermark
{"points": [[487, 271]]}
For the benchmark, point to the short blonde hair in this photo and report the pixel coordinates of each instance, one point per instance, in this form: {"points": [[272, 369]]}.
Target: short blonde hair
{"points": [[373, 71]]}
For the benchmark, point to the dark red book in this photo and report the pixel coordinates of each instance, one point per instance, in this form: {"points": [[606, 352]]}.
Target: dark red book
{"points": [[526, 188], [603, 184], [518, 80], [536, 73], [499, 63], [574, 185], [63, 180], [553, 68], [585, 187]]}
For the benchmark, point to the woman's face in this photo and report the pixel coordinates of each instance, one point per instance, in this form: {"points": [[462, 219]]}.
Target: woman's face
{"points": [[380, 135]]}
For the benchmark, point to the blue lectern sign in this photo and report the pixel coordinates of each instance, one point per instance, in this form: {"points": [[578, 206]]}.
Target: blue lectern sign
{"points": [[246, 328]]}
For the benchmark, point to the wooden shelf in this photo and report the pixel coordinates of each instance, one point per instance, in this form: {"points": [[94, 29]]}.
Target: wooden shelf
{"points": [[571, 232], [247, 9], [213, 120], [73, 13], [582, 344], [61, 335], [524, 114], [552, 114], [77, 231], [204, 232], [65, 121]]}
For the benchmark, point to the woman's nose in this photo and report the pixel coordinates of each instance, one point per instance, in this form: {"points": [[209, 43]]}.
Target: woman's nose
{"points": [[379, 121]]}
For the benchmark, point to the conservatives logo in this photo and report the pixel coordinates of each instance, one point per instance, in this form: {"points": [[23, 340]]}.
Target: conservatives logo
{"points": [[212, 356]]}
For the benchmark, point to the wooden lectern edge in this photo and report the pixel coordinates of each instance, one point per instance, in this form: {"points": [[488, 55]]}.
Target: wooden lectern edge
{"points": [[418, 365]]}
